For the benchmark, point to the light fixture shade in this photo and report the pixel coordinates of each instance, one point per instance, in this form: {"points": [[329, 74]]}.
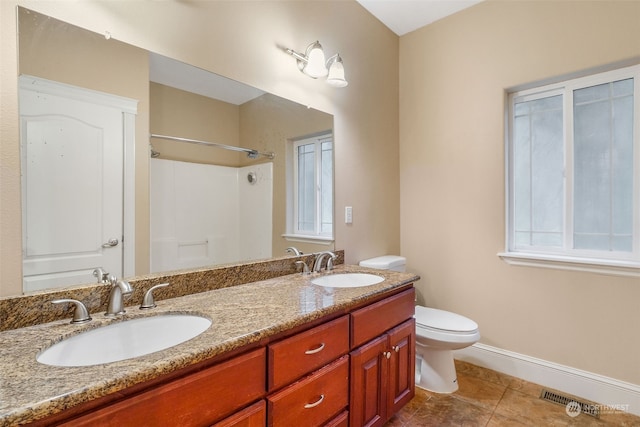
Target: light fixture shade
{"points": [[315, 66], [336, 73]]}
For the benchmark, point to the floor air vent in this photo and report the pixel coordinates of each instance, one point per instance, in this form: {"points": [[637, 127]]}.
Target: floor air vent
{"points": [[585, 408]]}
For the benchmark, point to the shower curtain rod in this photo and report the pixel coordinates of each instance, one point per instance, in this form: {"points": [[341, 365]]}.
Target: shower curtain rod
{"points": [[253, 154]]}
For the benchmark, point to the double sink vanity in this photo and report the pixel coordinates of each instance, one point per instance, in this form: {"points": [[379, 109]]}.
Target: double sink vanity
{"points": [[281, 348]]}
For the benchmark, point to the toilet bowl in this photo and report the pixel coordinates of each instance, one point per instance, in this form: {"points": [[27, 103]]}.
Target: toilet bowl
{"points": [[438, 333]]}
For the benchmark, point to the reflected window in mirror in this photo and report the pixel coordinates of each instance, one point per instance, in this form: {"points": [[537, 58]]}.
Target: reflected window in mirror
{"points": [[311, 187]]}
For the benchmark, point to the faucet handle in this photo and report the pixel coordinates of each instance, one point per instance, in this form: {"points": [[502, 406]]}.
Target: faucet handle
{"points": [[305, 268], [330, 261], [101, 275], [80, 312], [148, 300], [111, 279]]}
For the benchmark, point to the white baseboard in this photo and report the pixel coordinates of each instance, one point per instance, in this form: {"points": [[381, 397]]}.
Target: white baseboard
{"points": [[589, 386]]}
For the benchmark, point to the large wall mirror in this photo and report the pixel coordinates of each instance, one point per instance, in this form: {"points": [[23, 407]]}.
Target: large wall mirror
{"points": [[182, 204]]}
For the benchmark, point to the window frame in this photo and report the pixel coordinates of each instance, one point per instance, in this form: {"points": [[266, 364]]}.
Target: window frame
{"points": [[605, 262], [293, 232]]}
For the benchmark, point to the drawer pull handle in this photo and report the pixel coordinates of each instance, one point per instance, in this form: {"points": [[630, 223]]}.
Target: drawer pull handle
{"points": [[314, 404], [315, 350]]}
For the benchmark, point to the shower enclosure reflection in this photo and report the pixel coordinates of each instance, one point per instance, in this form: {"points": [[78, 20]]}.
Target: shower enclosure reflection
{"points": [[208, 214]]}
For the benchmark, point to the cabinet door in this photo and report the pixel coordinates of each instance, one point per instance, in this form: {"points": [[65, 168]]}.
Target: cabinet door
{"points": [[402, 365], [369, 367]]}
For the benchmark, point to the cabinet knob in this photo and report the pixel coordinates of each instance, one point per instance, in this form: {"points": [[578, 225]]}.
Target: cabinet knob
{"points": [[387, 354], [315, 350], [314, 404], [396, 348]]}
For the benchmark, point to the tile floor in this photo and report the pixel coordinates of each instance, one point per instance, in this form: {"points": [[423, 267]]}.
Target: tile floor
{"points": [[489, 398]]}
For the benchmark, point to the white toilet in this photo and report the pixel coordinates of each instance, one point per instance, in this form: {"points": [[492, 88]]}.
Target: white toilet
{"points": [[438, 333]]}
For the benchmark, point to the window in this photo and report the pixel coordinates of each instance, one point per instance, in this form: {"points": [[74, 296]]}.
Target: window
{"points": [[311, 188], [574, 172]]}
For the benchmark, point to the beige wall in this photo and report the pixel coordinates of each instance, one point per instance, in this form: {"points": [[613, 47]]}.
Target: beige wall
{"points": [[453, 77], [243, 40], [184, 114]]}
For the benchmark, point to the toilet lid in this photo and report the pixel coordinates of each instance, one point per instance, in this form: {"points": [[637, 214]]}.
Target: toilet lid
{"points": [[444, 320]]}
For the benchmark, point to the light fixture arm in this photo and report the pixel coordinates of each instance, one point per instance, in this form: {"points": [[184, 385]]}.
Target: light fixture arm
{"points": [[301, 60], [298, 56]]}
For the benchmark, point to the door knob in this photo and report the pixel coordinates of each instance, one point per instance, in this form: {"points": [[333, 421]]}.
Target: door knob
{"points": [[111, 243]]}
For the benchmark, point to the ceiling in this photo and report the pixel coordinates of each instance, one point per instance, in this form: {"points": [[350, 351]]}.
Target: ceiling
{"points": [[404, 16]]}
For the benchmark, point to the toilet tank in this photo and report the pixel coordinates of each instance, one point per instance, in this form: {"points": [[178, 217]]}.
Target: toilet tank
{"points": [[386, 262]]}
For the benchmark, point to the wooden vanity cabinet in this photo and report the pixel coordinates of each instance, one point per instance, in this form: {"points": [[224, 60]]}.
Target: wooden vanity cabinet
{"points": [[355, 370], [383, 368], [198, 399]]}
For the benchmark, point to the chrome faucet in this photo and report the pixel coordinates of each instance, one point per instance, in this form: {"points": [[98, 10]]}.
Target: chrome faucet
{"points": [[317, 264], [293, 250], [119, 288]]}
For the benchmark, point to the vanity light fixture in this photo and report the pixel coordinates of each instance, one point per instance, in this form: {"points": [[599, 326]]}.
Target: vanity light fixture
{"points": [[313, 64]]}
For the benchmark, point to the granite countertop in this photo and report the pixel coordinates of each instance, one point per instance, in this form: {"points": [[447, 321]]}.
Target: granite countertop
{"points": [[241, 315]]}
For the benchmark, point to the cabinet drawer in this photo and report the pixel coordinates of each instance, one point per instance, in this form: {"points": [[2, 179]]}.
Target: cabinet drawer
{"points": [[294, 357], [253, 416], [197, 399], [313, 400], [375, 319], [341, 420]]}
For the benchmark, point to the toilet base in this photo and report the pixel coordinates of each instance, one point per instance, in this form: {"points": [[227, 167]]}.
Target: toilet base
{"points": [[436, 371]]}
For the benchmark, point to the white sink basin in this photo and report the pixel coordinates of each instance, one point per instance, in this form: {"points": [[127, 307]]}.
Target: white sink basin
{"points": [[347, 280], [124, 340]]}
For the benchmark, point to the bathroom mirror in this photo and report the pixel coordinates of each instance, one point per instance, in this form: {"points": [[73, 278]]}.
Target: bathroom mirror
{"points": [[179, 100]]}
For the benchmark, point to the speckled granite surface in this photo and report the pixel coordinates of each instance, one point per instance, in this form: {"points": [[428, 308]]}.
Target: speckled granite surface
{"points": [[241, 315], [36, 308]]}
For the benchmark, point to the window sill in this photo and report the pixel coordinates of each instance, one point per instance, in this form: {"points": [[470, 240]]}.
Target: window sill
{"points": [[319, 240], [600, 266]]}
